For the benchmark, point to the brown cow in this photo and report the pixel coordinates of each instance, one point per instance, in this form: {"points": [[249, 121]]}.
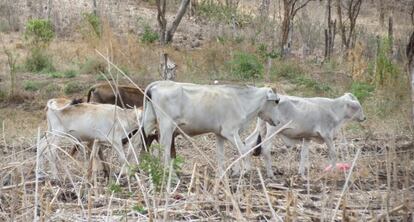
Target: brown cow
{"points": [[127, 96]]}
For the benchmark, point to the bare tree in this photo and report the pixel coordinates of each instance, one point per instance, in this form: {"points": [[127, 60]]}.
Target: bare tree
{"points": [[410, 56], [352, 8], [381, 10], [330, 31], [166, 35], [290, 9], [412, 14], [264, 8]]}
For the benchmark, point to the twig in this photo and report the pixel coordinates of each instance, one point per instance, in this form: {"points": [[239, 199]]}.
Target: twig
{"points": [[35, 218], [345, 185], [274, 215], [381, 216], [168, 191]]}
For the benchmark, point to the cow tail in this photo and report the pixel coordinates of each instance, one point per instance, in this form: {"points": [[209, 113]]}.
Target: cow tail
{"points": [[258, 150], [148, 115], [90, 93]]}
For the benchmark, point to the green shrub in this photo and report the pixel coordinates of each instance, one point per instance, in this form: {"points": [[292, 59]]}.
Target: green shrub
{"points": [[154, 167], [139, 208], [94, 22], [38, 61], [312, 84], [39, 32], [149, 35], [362, 90], [93, 66], [72, 87], [70, 73], [246, 66], [386, 71], [55, 74], [114, 187], [32, 86], [288, 70]]}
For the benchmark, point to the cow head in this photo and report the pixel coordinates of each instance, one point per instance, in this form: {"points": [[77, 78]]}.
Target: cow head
{"points": [[353, 108], [267, 114]]}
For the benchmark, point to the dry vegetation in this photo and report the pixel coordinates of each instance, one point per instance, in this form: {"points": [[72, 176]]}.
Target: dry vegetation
{"points": [[210, 46]]}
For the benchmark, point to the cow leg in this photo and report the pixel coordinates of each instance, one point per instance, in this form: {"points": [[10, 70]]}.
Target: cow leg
{"points": [[105, 165], [304, 158], [332, 153], [166, 134], [220, 154], [252, 138], [234, 138], [118, 147], [267, 145]]}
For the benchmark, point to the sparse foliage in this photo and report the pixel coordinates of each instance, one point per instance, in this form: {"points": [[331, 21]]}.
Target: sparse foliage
{"points": [[149, 36], [246, 66], [39, 33], [94, 22]]}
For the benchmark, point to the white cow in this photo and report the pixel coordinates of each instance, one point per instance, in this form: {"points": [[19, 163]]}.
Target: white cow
{"points": [[198, 109], [316, 119], [86, 122]]}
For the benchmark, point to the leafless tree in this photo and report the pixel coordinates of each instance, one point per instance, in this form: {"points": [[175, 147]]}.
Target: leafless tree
{"points": [[330, 31], [410, 56], [352, 8], [381, 10], [166, 35], [264, 8], [290, 9]]}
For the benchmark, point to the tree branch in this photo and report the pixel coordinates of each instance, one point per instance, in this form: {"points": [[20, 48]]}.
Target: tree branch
{"points": [[301, 6], [177, 20]]}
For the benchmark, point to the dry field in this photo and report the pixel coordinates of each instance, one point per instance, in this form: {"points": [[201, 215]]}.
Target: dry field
{"points": [[378, 187]]}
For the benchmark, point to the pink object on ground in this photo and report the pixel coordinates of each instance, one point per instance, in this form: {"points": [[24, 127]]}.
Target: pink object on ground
{"points": [[339, 166]]}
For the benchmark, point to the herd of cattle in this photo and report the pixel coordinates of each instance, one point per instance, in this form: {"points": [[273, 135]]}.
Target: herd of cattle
{"points": [[172, 108]]}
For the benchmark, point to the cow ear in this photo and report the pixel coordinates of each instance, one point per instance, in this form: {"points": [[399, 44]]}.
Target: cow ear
{"points": [[271, 95], [354, 106]]}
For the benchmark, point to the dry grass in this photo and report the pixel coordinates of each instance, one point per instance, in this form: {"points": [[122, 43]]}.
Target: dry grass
{"points": [[380, 186]]}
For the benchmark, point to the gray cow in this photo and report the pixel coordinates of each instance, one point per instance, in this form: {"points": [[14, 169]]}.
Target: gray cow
{"points": [[316, 119], [197, 109]]}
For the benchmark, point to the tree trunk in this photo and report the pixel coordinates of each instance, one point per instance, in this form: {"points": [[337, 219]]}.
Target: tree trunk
{"points": [[410, 56], [329, 32], [341, 24], [162, 22], [390, 34], [95, 11], [49, 9], [177, 20], [381, 10]]}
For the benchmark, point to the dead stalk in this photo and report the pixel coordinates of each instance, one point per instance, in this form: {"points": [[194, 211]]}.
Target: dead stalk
{"points": [[35, 217], [346, 184], [269, 204]]}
